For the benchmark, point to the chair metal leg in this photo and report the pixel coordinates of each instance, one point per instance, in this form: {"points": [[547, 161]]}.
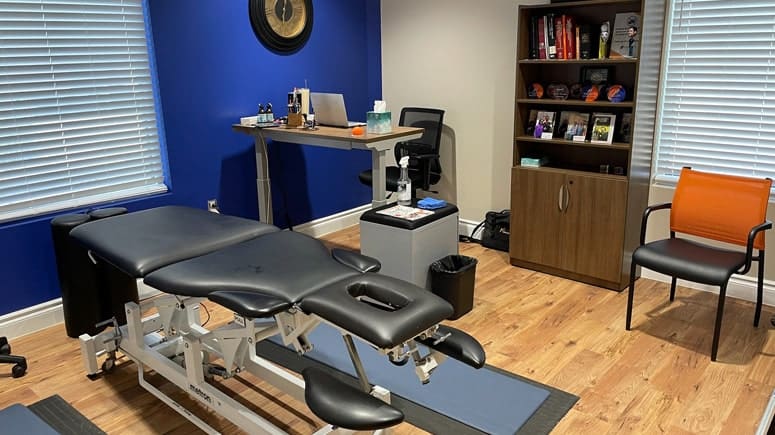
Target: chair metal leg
{"points": [[630, 293], [759, 289], [719, 314], [673, 281]]}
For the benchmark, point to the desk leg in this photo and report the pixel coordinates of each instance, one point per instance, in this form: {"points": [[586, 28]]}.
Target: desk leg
{"points": [[263, 185], [378, 178]]}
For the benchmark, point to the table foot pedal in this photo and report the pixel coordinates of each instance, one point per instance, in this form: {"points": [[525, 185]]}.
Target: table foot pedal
{"points": [[345, 406]]}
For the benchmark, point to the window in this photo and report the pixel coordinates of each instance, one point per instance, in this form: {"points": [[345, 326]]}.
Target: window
{"points": [[78, 123], [718, 89]]}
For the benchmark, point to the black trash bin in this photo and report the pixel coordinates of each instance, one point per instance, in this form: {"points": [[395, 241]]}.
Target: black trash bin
{"points": [[452, 279]]}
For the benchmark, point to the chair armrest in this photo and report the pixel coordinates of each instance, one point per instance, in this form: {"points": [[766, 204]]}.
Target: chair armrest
{"points": [[646, 214], [766, 225]]}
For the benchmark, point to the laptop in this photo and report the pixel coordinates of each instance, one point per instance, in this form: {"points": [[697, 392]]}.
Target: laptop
{"points": [[329, 110]]}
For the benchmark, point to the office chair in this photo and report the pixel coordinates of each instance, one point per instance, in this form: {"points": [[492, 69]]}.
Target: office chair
{"points": [[20, 363], [715, 208], [424, 164]]}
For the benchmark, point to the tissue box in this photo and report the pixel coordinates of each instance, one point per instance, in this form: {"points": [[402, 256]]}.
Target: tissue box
{"points": [[378, 122]]}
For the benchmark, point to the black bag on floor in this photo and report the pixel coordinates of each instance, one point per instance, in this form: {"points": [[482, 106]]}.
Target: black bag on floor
{"points": [[495, 230]]}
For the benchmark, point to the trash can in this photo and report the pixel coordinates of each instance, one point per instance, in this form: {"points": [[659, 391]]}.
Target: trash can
{"points": [[452, 279]]}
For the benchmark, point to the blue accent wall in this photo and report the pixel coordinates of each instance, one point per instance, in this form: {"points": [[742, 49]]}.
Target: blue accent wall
{"points": [[211, 71]]}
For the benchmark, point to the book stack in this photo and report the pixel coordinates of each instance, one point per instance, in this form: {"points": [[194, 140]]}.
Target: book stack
{"points": [[557, 36]]}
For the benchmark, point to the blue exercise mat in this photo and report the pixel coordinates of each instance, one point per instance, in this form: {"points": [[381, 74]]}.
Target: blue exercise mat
{"points": [[484, 399]]}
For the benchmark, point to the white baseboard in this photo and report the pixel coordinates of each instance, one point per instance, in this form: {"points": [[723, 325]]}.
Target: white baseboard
{"points": [[740, 287], [32, 319], [335, 222]]}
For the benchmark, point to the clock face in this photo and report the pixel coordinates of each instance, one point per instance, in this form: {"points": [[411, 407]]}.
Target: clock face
{"points": [[283, 26], [286, 17]]}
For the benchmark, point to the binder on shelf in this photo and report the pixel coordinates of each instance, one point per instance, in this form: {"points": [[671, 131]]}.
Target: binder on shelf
{"points": [[559, 36], [569, 32], [533, 38], [542, 37], [551, 40]]}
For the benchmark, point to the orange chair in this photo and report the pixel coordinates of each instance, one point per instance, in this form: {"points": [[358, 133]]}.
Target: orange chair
{"points": [[714, 207]]}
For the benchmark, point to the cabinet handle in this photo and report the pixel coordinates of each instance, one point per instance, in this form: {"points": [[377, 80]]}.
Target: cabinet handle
{"points": [[567, 198], [561, 198]]}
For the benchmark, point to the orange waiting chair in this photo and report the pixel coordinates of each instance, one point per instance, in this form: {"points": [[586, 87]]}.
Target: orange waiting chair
{"points": [[713, 207]]}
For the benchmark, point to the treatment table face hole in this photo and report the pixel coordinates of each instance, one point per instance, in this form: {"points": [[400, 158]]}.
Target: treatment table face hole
{"points": [[378, 297]]}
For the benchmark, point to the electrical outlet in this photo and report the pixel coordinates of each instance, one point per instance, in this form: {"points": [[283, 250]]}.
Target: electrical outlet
{"points": [[212, 205]]}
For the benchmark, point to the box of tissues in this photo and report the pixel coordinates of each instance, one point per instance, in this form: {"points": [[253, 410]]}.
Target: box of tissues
{"points": [[378, 121]]}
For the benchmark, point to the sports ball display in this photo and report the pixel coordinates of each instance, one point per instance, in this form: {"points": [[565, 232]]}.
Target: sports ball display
{"points": [[557, 91], [616, 93], [590, 93], [535, 91]]}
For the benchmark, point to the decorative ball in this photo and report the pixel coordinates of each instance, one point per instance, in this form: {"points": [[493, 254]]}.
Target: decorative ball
{"points": [[574, 92], [616, 93], [557, 91], [535, 91], [590, 92]]}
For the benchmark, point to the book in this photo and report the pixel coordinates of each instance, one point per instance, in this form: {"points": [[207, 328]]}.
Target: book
{"points": [[544, 128], [533, 54], [603, 128], [559, 35], [625, 40], [585, 41], [574, 125], [551, 41], [569, 30], [542, 37]]}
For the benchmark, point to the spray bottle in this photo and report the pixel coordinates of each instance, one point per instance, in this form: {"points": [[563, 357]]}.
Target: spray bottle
{"points": [[404, 183]]}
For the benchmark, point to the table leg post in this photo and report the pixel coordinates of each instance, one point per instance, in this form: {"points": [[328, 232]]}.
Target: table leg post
{"points": [[378, 178], [263, 184]]}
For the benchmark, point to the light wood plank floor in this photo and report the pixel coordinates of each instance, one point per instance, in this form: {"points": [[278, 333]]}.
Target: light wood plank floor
{"points": [[657, 378]]}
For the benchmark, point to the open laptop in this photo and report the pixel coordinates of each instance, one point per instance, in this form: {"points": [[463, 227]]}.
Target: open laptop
{"points": [[329, 110]]}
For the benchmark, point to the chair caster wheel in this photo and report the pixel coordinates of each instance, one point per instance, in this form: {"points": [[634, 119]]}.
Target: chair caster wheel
{"points": [[5, 348], [399, 362], [108, 365], [18, 371]]}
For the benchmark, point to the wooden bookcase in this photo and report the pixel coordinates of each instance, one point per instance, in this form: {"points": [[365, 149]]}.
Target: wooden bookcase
{"points": [[568, 218]]}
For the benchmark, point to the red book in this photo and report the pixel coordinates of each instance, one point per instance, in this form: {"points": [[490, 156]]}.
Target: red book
{"points": [[559, 35], [541, 38], [570, 37]]}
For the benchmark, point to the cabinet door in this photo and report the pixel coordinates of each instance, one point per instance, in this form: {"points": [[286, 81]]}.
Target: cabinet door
{"points": [[536, 215], [593, 226]]}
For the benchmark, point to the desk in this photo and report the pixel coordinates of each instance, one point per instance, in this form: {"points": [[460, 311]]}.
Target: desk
{"points": [[330, 137]]}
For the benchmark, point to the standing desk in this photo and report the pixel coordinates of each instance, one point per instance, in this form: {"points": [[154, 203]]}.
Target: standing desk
{"points": [[330, 137]]}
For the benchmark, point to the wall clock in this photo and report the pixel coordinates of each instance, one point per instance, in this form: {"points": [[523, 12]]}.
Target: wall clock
{"points": [[283, 26]]}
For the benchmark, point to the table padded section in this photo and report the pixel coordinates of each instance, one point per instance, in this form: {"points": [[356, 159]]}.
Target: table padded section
{"points": [[284, 264], [141, 242], [412, 309]]}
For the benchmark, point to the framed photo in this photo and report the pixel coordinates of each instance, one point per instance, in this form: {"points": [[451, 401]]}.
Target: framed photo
{"points": [[596, 75], [603, 128], [531, 122], [573, 126], [545, 127]]}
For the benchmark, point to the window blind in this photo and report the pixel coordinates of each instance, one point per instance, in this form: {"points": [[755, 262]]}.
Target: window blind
{"points": [[77, 117], [718, 89]]}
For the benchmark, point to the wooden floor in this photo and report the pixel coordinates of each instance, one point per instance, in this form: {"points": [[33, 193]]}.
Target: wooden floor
{"points": [[657, 378]]}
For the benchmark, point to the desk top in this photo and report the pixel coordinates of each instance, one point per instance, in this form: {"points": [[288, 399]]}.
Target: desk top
{"points": [[324, 132]]}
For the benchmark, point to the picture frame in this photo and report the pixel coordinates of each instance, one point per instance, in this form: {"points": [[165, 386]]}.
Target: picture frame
{"points": [[573, 126], [596, 75], [603, 128], [544, 128]]}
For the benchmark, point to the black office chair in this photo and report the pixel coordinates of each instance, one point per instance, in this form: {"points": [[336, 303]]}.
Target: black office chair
{"points": [[424, 164], [20, 362]]}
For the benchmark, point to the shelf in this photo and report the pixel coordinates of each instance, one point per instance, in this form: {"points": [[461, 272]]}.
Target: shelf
{"points": [[586, 144], [575, 103], [581, 4], [573, 172], [584, 62]]}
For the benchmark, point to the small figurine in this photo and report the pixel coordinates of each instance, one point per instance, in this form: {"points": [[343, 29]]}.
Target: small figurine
{"points": [[605, 29]]}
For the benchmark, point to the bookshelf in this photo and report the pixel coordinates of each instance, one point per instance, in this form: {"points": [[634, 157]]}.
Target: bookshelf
{"points": [[574, 216]]}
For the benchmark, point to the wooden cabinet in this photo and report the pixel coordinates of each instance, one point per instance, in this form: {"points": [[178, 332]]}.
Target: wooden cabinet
{"points": [[578, 214]]}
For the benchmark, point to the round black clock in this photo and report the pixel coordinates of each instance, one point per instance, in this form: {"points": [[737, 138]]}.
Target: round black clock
{"points": [[283, 26]]}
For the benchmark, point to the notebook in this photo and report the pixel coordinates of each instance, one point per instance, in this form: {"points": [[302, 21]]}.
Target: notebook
{"points": [[330, 110]]}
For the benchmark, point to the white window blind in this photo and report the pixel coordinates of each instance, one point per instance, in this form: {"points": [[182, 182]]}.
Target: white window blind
{"points": [[77, 115], [718, 89]]}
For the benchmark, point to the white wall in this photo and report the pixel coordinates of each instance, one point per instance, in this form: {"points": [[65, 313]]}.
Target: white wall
{"points": [[459, 56]]}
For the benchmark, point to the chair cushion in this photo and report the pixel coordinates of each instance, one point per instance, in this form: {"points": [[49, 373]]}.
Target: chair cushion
{"points": [[690, 260]]}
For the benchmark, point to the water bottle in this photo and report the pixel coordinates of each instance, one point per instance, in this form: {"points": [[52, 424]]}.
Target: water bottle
{"points": [[268, 114], [404, 183], [260, 117]]}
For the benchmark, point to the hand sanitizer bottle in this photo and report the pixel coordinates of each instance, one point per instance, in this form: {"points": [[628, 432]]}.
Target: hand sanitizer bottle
{"points": [[404, 183], [268, 114], [261, 112]]}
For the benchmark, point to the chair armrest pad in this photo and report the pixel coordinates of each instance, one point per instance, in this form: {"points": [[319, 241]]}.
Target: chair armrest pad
{"points": [[359, 262]]}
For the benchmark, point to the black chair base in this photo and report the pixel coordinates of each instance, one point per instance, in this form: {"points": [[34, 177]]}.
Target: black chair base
{"points": [[20, 363]]}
